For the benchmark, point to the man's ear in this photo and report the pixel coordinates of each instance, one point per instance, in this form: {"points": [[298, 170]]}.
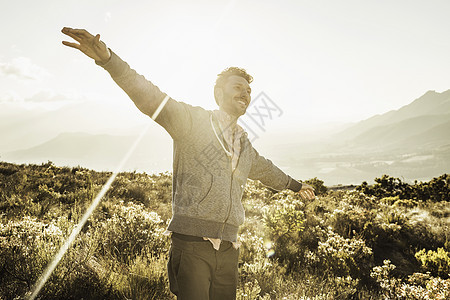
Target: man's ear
{"points": [[218, 95]]}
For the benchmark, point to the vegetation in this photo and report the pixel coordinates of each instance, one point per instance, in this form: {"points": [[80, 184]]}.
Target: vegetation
{"points": [[386, 241], [437, 189]]}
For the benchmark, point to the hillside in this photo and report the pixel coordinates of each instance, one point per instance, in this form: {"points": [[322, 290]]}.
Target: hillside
{"points": [[429, 105], [386, 241], [22, 128], [100, 151]]}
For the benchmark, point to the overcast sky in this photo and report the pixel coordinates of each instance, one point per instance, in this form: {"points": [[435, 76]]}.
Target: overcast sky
{"points": [[319, 61]]}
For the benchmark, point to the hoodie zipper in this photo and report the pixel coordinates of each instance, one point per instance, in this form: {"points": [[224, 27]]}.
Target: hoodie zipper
{"points": [[231, 204], [232, 175]]}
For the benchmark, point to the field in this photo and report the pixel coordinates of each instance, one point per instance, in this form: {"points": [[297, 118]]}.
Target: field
{"points": [[384, 241]]}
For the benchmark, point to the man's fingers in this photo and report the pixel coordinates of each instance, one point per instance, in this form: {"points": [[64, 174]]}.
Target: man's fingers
{"points": [[73, 45], [97, 42], [73, 33], [84, 35], [77, 34], [307, 194]]}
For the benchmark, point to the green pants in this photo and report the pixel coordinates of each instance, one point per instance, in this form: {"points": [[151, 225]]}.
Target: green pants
{"points": [[199, 272]]}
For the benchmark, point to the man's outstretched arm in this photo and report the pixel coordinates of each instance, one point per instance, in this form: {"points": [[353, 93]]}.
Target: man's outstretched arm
{"points": [[172, 115], [265, 171]]}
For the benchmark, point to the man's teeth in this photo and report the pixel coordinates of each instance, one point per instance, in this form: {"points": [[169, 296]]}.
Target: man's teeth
{"points": [[242, 102]]}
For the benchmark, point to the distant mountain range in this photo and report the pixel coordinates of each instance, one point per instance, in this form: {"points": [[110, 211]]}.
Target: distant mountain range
{"points": [[100, 152], [420, 124], [412, 142], [22, 128], [90, 134]]}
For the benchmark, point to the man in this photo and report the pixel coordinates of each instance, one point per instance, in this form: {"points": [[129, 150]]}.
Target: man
{"points": [[206, 205]]}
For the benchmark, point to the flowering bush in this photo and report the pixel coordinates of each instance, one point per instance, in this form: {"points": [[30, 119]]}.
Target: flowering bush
{"points": [[130, 230], [418, 286], [28, 245], [122, 255], [345, 257]]}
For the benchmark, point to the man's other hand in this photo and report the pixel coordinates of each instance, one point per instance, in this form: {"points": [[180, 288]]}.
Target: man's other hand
{"points": [[88, 44], [307, 192]]}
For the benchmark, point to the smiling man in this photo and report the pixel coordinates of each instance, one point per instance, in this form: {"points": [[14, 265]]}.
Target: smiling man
{"points": [[206, 203]]}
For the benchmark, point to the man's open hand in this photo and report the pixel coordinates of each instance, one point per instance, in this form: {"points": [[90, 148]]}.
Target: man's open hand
{"points": [[307, 192], [88, 44]]}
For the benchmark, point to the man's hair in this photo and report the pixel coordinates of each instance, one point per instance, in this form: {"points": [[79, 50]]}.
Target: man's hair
{"points": [[223, 77]]}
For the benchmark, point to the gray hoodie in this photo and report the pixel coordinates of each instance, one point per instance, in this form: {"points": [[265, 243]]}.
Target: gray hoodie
{"points": [[206, 193]]}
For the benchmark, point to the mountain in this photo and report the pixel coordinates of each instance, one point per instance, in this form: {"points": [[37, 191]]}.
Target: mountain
{"points": [[22, 128], [433, 138], [100, 152], [17, 127], [430, 105], [412, 143], [395, 134]]}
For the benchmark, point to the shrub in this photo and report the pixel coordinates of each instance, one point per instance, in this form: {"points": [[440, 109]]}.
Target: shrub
{"points": [[436, 262], [384, 277], [418, 285], [131, 230], [437, 189], [405, 203], [386, 186], [345, 257], [284, 222], [349, 220], [28, 245]]}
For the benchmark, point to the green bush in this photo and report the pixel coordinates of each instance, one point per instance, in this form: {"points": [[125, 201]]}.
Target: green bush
{"points": [[283, 221], [437, 262], [130, 231], [345, 257], [417, 286], [437, 189], [27, 247]]}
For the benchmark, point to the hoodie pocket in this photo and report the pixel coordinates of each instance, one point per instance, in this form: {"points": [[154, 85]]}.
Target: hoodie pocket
{"points": [[194, 189]]}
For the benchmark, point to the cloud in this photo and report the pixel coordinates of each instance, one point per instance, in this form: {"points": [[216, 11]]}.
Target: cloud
{"points": [[52, 99], [22, 68], [46, 96], [11, 97], [42, 100]]}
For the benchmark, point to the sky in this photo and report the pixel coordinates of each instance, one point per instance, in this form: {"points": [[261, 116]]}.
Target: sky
{"points": [[319, 61]]}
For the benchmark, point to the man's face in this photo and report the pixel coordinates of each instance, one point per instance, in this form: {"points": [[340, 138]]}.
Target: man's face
{"points": [[236, 96]]}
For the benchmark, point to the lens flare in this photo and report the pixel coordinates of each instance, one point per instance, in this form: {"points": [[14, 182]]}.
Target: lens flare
{"points": [[51, 267], [270, 253], [269, 250]]}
